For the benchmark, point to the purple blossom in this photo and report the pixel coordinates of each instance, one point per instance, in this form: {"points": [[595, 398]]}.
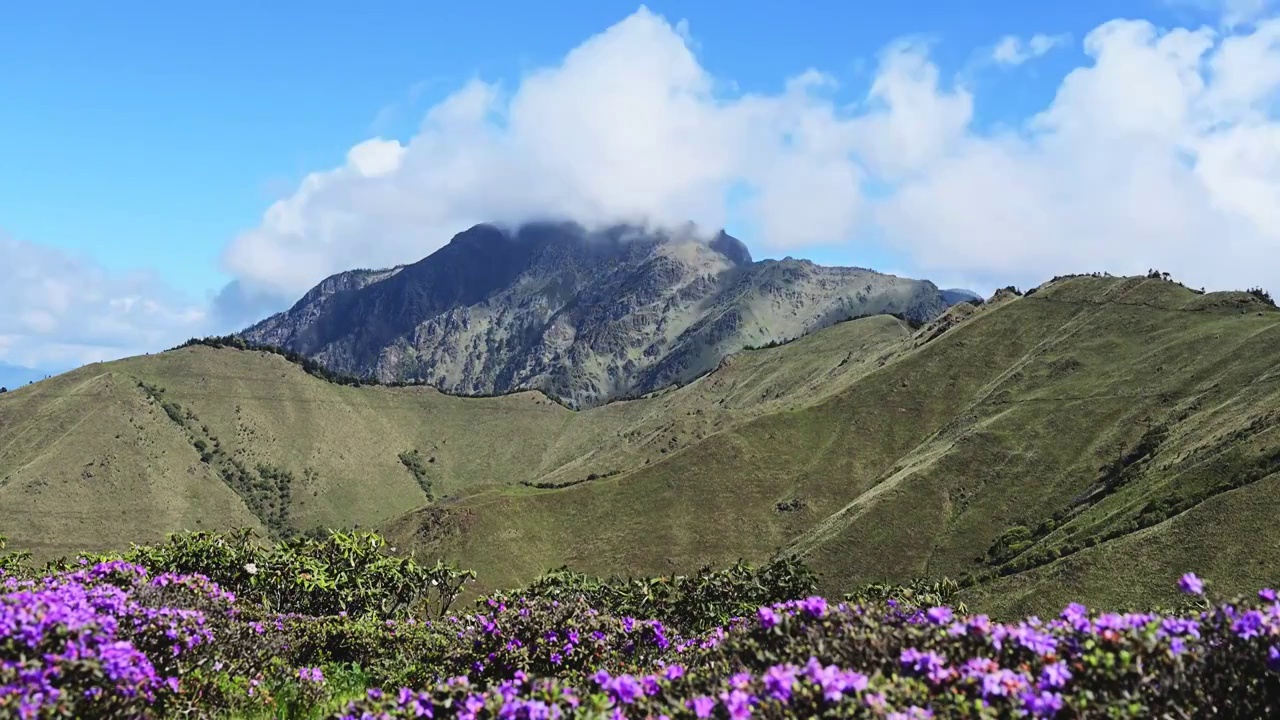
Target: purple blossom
{"points": [[815, 606], [768, 618], [1054, 676], [939, 615], [702, 706], [779, 681], [1190, 584]]}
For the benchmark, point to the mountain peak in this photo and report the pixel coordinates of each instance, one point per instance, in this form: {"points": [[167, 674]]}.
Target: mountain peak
{"points": [[586, 315]]}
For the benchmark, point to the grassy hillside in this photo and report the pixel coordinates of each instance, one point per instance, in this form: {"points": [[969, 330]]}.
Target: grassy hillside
{"points": [[1098, 423], [199, 438], [1104, 434]]}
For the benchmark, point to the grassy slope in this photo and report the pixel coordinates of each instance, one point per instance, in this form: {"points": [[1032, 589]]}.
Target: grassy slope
{"points": [[895, 454], [87, 462], [918, 467], [340, 445]]}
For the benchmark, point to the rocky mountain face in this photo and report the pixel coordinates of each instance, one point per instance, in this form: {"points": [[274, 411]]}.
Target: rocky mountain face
{"points": [[585, 316]]}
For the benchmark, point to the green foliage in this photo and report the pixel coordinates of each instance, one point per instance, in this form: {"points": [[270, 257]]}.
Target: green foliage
{"points": [[1262, 295], [544, 485], [690, 603], [417, 467], [267, 491], [919, 594], [308, 365], [12, 563], [316, 369], [345, 572]]}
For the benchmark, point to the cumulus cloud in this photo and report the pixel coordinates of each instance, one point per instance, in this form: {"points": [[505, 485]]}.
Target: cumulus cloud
{"points": [[1164, 151], [1161, 150], [1013, 50], [626, 127], [63, 311]]}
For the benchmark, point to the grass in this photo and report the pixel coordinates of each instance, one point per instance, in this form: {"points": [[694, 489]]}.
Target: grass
{"points": [[1128, 424], [918, 467]]}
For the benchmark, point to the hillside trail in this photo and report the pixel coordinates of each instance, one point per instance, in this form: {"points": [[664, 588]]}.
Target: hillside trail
{"points": [[941, 441]]}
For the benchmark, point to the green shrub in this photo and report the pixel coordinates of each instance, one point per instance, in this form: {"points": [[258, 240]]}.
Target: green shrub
{"points": [[342, 572], [689, 603]]}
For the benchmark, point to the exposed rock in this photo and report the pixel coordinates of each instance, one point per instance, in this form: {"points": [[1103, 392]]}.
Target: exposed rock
{"points": [[587, 317]]}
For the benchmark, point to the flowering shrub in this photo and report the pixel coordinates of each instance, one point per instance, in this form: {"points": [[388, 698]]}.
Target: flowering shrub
{"points": [[694, 602], [11, 563], [108, 638], [342, 572], [117, 639], [810, 658]]}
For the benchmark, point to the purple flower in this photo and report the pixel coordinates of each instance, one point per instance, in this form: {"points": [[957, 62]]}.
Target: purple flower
{"points": [[738, 703], [939, 615], [702, 706], [815, 606], [1054, 676], [1003, 683], [768, 618], [1043, 703], [778, 682], [624, 689], [1248, 625], [1191, 585]]}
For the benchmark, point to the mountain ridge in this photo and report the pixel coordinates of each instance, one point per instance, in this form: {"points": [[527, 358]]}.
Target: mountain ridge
{"points": [[1108, 433], [585, 316]]}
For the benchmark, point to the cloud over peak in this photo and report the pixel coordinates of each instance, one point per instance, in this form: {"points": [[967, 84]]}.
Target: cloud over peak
{"points": [[1162, 140], [1162, 149]]}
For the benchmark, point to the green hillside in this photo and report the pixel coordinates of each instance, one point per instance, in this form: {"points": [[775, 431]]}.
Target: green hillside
{"points": [[1108, 422], [1089, 441], [202, 438]]}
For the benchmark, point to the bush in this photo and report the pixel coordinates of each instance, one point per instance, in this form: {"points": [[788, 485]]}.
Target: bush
{"points": [[1262, 295], [809, 658], [116, 639], [341, 572], [691, 603]]}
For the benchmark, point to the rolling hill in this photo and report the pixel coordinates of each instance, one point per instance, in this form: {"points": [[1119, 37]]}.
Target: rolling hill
{"points": [[1106, 433]]}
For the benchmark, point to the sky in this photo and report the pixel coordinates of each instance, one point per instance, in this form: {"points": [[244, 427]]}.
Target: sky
{"points": [[169, 172]]}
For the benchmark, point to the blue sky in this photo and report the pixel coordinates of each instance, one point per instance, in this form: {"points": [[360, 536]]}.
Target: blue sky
{"points": [[140, 142]]}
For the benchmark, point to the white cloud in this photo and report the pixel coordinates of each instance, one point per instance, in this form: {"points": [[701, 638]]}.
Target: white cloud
{"points": [[627, 127], [1162, 150], [1232, 13], [1165, 152], [1013, 50], [62, 311]]}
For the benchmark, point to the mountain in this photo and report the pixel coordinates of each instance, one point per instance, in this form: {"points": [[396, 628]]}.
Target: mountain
{"points": [[1089, 441], [585, 316], [953, 296]]}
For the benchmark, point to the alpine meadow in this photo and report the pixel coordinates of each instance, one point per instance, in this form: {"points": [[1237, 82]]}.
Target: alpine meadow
{"points": [[610, 363]]}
